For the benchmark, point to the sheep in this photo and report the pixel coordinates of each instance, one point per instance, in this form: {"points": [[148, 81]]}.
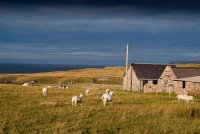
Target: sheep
{"points": [[77, 99], [181, 97], [32, 83], [45, 91], [87, 92], [186, 98], [107, 97], [25, 84], [189, 99]]}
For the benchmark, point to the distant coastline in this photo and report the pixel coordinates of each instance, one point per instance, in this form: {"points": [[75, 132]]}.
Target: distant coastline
{"points": [[11, 68]]}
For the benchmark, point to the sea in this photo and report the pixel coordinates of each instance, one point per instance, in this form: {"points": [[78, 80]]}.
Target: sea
{"points": [[10, 68]]}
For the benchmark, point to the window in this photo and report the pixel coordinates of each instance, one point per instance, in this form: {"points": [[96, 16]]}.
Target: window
{"points": [[145, 82], [183, 84], [155, 82]]}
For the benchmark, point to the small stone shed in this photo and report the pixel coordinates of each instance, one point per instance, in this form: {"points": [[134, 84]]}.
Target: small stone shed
{"points": [[190, 84]]}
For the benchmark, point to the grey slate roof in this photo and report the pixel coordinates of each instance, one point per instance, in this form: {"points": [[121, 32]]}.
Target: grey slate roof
{"points": [[191, 79], [148, 71], [184, 72]]}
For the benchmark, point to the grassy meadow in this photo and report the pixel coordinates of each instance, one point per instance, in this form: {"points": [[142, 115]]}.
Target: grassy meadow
{"points": [[87, 75], [26, 110], [79, 76]]}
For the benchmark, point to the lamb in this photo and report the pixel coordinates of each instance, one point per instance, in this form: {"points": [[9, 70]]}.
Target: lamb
{"points": [[87, 92], [77, 99], [181, 97], [45, 91], [107, 97], [25, 84]]}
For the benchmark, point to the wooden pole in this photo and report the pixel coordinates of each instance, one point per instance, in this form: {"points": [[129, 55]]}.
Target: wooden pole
{"points": [[127, 47]]}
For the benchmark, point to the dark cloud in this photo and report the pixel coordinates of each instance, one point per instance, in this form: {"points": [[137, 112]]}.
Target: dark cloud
{"points": [[165, 5]]}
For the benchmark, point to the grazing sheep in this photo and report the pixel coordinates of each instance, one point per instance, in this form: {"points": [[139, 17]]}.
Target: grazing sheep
{"points": [[25, 84], [181, 97], [45, 91], [32, 83], [77, 99], [189, 99], [87, 92], [186, 98], [107, 97], [49, 86]]}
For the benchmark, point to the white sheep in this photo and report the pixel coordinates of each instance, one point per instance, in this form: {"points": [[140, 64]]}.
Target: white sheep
{"points": [[45, 91], [87, 92], [77, 99], [107, 97], [25, 84], [186, 98], [181, 97], [189, 99]]}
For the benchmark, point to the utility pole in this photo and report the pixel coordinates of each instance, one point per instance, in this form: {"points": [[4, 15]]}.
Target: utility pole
{"points": [[127, 47]]}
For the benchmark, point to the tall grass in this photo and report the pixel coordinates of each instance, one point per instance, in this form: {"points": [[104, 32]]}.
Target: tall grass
{"points": [[26, 110]]}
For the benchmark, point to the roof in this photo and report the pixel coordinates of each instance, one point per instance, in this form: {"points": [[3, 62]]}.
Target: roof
{"points": [[183, 72], [191, 79], [148, 71]]}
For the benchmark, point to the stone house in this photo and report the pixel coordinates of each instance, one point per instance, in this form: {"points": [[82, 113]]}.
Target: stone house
{"points": [[159, 78], [142, 77]]}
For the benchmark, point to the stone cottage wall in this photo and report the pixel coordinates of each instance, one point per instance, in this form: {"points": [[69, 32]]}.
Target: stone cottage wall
{"points": [[133, 83], [166, 81], [193, 88], [150, 87]]}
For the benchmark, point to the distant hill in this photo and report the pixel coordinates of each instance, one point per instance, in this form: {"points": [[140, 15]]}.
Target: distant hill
{"points": [[185, 62], [188, 65]]}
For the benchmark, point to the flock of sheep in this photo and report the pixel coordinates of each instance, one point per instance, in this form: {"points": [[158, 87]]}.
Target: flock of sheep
{"points": [[106, 97]]}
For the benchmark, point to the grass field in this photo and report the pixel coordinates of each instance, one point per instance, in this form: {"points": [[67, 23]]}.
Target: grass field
{"points": [[26, 110], [79, 76]]}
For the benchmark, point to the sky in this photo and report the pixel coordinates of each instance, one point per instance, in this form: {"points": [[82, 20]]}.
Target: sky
{"points": [[95, 32]]}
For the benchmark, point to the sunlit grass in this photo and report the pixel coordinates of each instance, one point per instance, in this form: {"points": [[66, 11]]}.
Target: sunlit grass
{"points": [[26, 110], [79, 76]]}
